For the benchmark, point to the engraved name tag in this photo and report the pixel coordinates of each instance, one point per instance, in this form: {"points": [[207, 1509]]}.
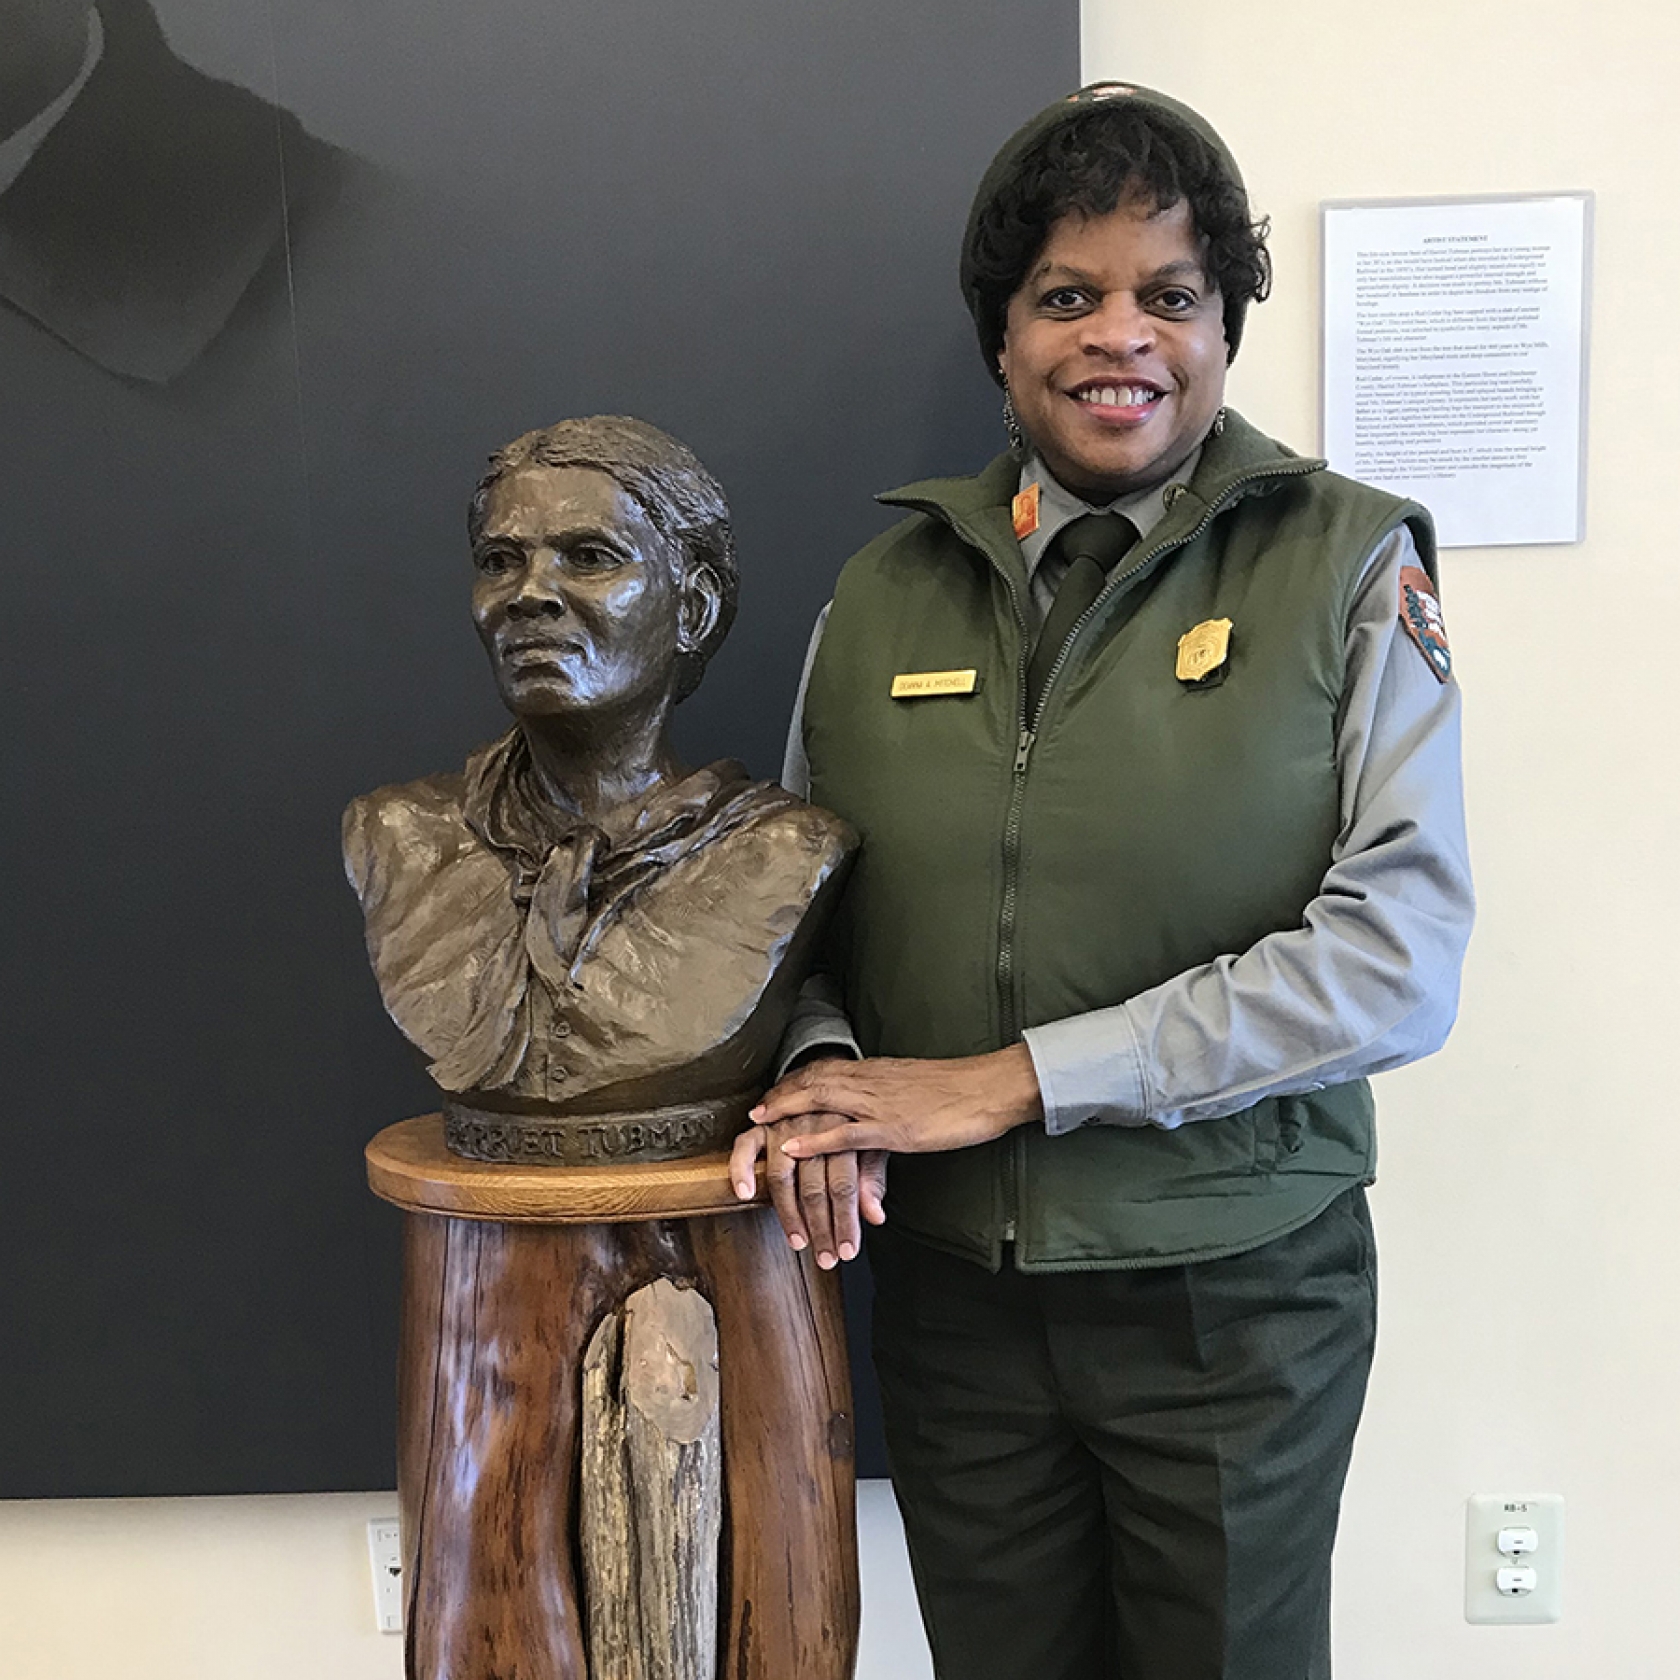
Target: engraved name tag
{"points": [[919, 685]]}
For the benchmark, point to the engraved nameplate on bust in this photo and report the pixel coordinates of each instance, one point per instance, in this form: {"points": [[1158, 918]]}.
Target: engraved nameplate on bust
{"points": [[596, 948]]}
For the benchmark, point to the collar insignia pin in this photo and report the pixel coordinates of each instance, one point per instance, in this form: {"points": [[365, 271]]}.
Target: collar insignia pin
{"points": [[1023, 513]]}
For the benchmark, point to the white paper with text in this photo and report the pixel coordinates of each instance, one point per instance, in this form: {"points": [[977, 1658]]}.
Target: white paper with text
{"points": [[1455, 358]]}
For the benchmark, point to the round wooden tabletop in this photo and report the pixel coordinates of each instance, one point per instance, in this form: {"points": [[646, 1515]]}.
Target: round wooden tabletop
{"points": [[409, 1164]]}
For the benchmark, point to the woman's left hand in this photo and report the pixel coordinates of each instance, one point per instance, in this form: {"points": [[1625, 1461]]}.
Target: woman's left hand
{"points": [[903, 1105], [818, 1201]]}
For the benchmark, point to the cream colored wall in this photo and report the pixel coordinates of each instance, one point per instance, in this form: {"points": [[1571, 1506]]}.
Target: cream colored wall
{"points": [[1530, 1249], [279, 1589], [275, 1588]]}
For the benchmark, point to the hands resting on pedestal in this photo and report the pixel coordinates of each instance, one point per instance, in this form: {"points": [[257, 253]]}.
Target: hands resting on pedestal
{"points": [[825, 1132]]}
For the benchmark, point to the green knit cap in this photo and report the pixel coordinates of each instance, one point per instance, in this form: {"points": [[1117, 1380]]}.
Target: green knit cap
{"points": [[1164, 111]]}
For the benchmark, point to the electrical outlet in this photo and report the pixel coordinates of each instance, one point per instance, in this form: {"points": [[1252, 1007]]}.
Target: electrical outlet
{"points": [[1513, 1558], [385, 1554]]}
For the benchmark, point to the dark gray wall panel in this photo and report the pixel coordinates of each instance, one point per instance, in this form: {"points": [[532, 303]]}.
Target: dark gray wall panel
{"points": [[238, 596]]}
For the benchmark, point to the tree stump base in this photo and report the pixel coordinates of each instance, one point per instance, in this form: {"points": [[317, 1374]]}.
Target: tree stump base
{"points": [[508, 1273]]}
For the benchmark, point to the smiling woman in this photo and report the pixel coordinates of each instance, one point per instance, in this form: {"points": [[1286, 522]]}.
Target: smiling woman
{"points": [[1114, 351], [1142, 901]]}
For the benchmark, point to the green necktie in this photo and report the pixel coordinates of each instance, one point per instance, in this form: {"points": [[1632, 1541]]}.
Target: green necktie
{"points": [[1092, 544]]}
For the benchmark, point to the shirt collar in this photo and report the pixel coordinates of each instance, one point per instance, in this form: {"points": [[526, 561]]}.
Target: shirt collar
{"points": [[18, 147], [1058, 506]]}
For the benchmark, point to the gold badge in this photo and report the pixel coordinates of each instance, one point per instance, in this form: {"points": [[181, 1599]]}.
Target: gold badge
{"points": [[921, 685], [1203, 650], [1023, 513]]}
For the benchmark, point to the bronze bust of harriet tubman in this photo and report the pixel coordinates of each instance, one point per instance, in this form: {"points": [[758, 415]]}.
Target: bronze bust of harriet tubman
{"points": [[596, 947]]}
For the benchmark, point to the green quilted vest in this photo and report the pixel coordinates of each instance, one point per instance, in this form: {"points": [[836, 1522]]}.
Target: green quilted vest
{"points": [[1016, 871]]}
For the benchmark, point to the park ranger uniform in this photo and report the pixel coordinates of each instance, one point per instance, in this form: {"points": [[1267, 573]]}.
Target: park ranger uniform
{"points": [[1213, 875]]}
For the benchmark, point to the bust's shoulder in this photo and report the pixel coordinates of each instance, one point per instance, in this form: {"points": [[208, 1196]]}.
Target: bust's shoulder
{"points": [[405, 826], [782, 815], [770, 854], [765, 818], [430, 799], [431, 806]]}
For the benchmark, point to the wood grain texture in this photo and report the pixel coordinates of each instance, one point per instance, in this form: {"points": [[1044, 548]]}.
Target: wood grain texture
{"points": [[425, 1247], [790, 1510], [410, 1165], [497, 1317], [495, 1595], [672, 1440], [652, 1493], [608, 1547]]}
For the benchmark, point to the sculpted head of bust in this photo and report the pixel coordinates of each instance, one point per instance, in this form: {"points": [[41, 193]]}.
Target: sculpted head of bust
{"points": [[605, 578], [605, 543], [580, 933]]}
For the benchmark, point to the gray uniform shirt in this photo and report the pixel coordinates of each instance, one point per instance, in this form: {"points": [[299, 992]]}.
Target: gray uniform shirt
{"points": [[1367, 982]]}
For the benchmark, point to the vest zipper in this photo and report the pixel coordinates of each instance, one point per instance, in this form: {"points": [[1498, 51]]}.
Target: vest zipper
{"points": [[1027, 736], [1007, 1014]]}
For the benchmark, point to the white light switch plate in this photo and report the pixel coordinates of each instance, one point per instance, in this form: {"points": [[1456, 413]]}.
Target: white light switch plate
{"points": [[1484, 1516]]}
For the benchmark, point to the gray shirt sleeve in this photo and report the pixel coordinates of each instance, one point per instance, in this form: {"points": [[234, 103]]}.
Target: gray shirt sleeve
{"points": [[796, 767], [1369, 980], [819, 1021], [818, 1025]]}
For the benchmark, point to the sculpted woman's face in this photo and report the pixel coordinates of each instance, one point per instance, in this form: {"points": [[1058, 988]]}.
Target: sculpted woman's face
{"points": [[582, 605]]}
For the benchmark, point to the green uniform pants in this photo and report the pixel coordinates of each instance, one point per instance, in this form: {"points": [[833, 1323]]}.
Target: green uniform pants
{"points": [[1127, 1475]]}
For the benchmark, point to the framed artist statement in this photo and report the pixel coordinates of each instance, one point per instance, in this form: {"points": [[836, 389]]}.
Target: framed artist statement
{"points": [[1455, 358]]}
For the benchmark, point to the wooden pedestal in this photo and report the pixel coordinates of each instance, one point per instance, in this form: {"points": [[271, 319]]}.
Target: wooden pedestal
{"points": [[507, 1271]]}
